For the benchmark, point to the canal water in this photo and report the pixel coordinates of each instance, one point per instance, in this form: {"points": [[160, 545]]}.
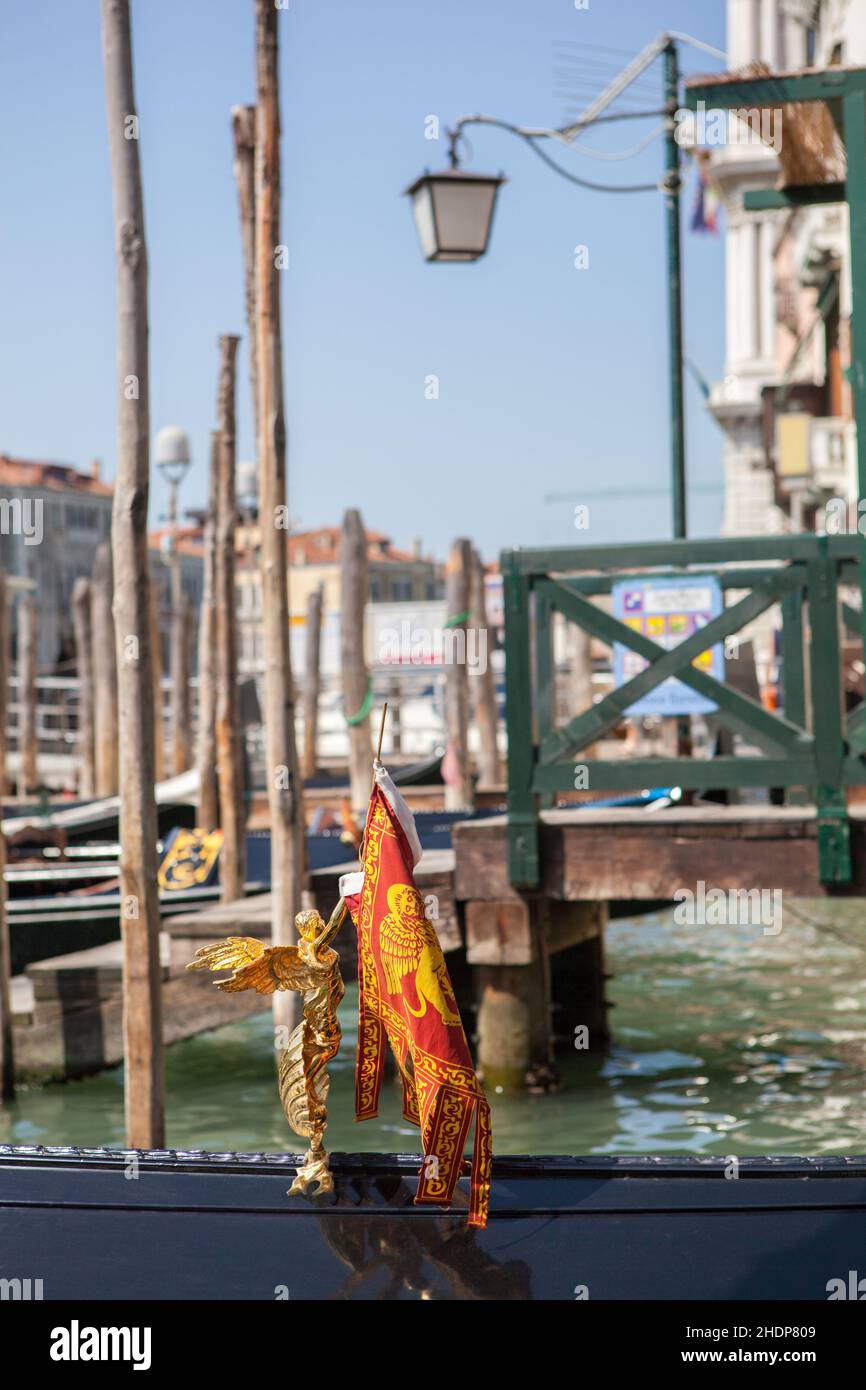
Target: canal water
{"points": [[726, 1041]]}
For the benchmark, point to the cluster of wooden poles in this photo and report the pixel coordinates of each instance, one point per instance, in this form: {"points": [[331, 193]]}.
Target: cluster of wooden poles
{"points": [[466, 695], [122, 745], [131, 629]]}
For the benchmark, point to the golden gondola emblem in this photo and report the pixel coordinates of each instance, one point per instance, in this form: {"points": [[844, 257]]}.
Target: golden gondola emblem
{"points": [[190, 859]]}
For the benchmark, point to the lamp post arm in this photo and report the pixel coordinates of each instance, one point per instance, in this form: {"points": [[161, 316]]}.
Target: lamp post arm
{"points": [[666, 45], [531, 135]]}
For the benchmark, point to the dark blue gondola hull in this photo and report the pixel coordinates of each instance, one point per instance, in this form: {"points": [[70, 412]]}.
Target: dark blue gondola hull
{"points": [[204, 1226]]}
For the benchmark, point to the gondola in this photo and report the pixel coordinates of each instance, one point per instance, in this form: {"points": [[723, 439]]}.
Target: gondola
{"points": [[213, 1226]]}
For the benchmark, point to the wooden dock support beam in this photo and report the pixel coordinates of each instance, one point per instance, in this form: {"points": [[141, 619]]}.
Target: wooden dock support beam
{"points": [[538, 966]]}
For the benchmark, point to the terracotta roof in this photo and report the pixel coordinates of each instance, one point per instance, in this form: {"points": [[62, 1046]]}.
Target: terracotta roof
{"points": [[51, 477], [189, 539], [322, 547]]}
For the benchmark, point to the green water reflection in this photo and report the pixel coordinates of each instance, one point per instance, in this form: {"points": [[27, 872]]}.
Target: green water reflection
{"points": [[726, 1041]]}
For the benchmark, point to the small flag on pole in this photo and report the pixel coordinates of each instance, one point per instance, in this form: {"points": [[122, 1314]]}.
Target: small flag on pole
{"points": [[705, 214]]}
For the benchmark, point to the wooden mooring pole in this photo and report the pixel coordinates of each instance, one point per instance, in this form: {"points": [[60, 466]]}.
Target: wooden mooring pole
{"points": [[312, 680], [104, 672], [458, 785], [142, 1010], [28, 637], [181, 737], [207, 815], [7, 1054], [156, 676], [83, 630], [228, 730], [482, 684], [354, 588], [285, 797], [244, 132]]}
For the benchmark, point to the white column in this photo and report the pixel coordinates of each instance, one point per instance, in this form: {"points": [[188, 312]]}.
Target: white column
{"points": [[770, 33], [767, 236], [732, 295], [795, 44], [748, 289], [742, 27]]}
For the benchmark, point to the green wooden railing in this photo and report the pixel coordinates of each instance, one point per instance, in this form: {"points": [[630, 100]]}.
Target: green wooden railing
{"points": [[807, 745]]}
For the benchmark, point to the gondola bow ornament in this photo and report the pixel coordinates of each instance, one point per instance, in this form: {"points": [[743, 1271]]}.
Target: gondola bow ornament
{"points": [[406, 999], [312, 969]]}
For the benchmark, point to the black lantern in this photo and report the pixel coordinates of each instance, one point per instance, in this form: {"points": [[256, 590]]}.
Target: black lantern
{"points": [[454, 213]]}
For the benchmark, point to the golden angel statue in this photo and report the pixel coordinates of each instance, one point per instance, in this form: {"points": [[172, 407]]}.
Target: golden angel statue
{"points": [[313, 969]]}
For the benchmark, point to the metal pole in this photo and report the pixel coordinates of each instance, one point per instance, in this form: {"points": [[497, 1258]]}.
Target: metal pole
{"points": [[854, 114], [675, 329], [675, 303]]}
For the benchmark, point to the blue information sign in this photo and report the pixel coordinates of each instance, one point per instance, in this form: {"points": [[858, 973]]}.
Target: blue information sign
{"points": [[668, 611]]}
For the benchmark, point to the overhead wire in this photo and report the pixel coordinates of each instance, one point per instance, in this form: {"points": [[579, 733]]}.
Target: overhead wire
{"points": [[585, 183], [615, 155]]}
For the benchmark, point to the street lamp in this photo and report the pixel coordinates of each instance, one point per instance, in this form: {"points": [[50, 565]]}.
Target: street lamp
{"points": [[173, 458], [454, 213]]}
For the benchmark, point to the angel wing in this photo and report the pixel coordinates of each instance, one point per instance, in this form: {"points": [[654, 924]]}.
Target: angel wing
{"points": [[254, 965]]}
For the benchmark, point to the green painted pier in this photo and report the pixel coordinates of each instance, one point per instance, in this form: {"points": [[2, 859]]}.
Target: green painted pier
{"points": [[534, 886]]}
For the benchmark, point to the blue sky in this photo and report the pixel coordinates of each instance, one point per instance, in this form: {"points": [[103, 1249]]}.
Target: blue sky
{"points": [[552, 380]]}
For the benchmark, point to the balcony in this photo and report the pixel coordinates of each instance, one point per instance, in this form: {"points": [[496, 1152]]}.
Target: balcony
{"points": [[816, 453]]}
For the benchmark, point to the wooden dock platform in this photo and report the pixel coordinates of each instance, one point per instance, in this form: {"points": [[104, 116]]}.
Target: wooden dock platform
{"points": [[636, 855], [68, 1011]]}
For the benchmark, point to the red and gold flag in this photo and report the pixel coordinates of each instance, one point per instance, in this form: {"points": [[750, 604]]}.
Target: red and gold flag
{"points": [[406, 997]]}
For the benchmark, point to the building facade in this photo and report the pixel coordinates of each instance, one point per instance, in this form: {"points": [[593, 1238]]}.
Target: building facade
{"points": [[396, 576], [784, 402], [190, 557], [52, 518], [781, 36]]}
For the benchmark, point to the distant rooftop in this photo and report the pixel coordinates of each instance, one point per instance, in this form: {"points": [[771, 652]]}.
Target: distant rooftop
{"points": [[52, 477], [190, 539], [322, 547]]}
